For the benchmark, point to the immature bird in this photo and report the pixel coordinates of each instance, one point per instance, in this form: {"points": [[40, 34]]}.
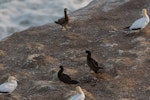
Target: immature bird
{"points": [[92, 63], [65, 78], [9, 86], [140, 23], [79, 94], [63, 21]]}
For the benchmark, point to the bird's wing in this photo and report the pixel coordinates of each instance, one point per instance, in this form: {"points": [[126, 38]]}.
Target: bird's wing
{"points": [[7, 87], [94, 62], [140, 23], [61, 21], [66, 76]]}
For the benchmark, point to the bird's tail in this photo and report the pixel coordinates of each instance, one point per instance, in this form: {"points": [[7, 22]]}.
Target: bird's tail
{"points": [[127, 27], [100, 69], [101, 66], [56, 22], [3, 92], [74, 82]]}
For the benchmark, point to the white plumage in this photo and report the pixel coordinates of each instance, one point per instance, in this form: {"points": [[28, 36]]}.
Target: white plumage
{"points": [[10, 86], [140, 23], [79, 94]]}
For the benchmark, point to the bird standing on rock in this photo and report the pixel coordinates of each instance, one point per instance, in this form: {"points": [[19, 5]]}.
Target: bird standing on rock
{"points": [[65, 78], [92, 63], [140, 23], [63, 21], [10, 86]]}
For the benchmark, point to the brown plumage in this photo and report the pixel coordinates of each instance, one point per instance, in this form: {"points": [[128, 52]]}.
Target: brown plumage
{"points": [[63, 21], [92, 63]]}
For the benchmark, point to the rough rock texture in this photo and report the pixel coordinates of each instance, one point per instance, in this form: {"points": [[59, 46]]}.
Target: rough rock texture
{"points": [[34, 56]]}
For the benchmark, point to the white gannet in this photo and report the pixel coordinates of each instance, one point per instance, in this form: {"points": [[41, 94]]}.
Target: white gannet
{"points": [[10, 86], [141, 23], [79, 94]]}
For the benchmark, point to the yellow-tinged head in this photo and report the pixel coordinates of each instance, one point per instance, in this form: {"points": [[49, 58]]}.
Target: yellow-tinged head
{"points": [[144, 12], [12, 79], [79, 90]]}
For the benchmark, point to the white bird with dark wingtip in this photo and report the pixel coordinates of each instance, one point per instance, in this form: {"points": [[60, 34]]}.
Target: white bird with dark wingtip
{"points": [[10, 86], [141, 23], [79, 94]]}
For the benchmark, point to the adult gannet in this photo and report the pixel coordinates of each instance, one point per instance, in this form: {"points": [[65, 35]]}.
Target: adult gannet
{"points": [[79, 94], [65, 78], [140, 23], [92, 63], [63, 21], [10, 86]]}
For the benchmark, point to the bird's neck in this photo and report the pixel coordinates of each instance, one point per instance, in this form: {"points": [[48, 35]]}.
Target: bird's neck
{"points": [[61, 70], [13, 82], [80, 91], [147, 17], [145, 14], [89, 55], [66, 16]]}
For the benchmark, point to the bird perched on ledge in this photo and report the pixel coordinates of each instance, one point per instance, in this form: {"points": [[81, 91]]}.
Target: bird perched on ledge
{"points": [[10, 86], [92, 63], [63, 21], [141, 23], [65, 78]]}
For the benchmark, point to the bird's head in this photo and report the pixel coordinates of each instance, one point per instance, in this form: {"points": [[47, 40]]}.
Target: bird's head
{"points": [[61, 67], [79, 90], [65, 9], [144, 12], [88, 52], [12, 79]]}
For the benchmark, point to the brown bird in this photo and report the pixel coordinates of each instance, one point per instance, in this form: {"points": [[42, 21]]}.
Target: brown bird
{"points": [[65, 78], [92, 63], [63, 21]]}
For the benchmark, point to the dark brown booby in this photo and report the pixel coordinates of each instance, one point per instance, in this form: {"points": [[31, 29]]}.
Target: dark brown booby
{"points": [[92, 63], [65, 78], [63, 21]]}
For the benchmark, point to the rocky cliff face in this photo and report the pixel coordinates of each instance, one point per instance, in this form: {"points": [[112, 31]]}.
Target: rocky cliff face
{"points": [[34, 56]]}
